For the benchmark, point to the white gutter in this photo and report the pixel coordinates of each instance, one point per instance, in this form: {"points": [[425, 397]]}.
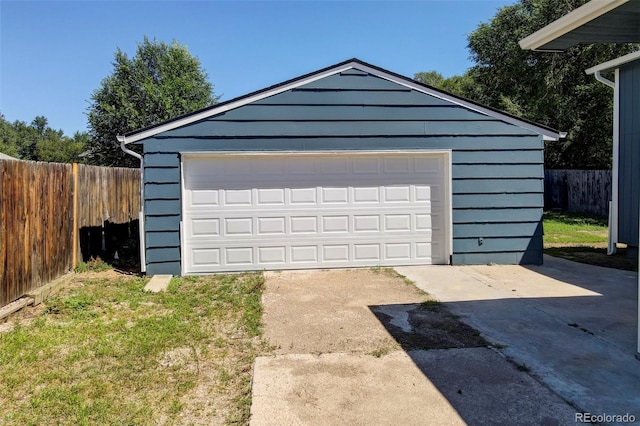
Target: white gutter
{"points": [[615, 167], [614, 63], [123, 142], [613, 212], [613, 205], [569, 22]]}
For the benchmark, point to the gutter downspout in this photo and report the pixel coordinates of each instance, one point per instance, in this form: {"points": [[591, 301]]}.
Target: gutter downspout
{"points": [[613, 204], [123, 142]]}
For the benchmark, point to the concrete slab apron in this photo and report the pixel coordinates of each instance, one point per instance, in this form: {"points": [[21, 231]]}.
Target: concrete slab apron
{"points": [[336, 363], [571, 325]]}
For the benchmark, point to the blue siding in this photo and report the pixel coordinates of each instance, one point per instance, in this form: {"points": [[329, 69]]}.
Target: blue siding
{"points": [[161, 144], [497, 168], [629, 176]]}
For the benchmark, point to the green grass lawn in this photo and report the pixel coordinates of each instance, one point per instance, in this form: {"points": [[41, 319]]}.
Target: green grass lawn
{"points": [[582, 238], [105, 352], [574, 229]]}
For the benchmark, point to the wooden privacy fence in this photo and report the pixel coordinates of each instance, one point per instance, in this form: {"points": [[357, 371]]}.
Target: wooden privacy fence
{"points": [[581, 191], [42, 208]]}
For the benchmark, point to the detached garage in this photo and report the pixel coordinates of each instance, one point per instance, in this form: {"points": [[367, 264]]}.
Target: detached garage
{"points": [[348, 166]]}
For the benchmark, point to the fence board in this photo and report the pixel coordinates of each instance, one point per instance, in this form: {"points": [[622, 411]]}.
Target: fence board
{"points": [[581, 191], [107, 194], [37, 217]]}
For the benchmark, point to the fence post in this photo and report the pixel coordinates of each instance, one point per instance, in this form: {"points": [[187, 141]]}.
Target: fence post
{"points": [[75, 237]]}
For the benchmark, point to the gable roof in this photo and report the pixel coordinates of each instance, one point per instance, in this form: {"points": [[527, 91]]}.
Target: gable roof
{"points": [[6, 157], [138, 135], [598, 21]]}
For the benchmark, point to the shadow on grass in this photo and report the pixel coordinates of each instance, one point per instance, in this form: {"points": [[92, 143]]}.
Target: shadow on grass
{"points": [[595, 256]]}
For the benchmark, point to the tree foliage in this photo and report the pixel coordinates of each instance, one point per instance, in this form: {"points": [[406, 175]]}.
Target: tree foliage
{"points": [[160, 82], [461, 85], [39, 142], [549, 88]]}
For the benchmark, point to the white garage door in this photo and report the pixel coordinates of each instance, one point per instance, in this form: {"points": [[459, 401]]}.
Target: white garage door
{"points": [[251, 212]]}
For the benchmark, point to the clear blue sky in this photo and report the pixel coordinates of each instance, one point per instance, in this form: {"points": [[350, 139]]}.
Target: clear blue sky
{"points": [[53, 54]]}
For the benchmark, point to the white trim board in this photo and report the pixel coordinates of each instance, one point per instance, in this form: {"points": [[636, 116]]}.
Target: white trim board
{"points": [[569, 22], [547, 134], [614, 63]]}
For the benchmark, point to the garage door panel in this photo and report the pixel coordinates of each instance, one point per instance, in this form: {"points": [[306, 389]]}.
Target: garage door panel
{"points": [[304, 254], [366, 252], [366, 194], [336, 165], [398, 251], [270, 196], [397, 194], [238, 226], [207, 227], [366, 165], [272, 255], [334, 195], [247, 213], [207, 257], [204, 198], [397, 165], [303, 196], [303, 224], [397, 222], [366, 223], [332, 224], [274, 224], [335, 252], [237, 197], [271, 225], [239, 255]]}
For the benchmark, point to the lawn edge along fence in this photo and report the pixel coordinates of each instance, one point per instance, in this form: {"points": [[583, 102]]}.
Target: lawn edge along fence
{"points": [[43, 207]]}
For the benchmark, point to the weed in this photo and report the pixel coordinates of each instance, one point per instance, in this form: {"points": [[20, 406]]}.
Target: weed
{"points": [[430, 305], [380, 352], [93, 265]]}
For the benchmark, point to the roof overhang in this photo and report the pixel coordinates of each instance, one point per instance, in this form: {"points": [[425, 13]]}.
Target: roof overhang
{"points": [[614, 63], [599, 21], [547, 133]]}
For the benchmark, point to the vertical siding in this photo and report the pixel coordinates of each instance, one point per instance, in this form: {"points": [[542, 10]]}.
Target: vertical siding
{"points": [[497, 168], [629, 177]]}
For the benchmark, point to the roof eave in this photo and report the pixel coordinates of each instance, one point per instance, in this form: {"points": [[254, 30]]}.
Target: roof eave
{"points": [[568, 23], [614, 63]]}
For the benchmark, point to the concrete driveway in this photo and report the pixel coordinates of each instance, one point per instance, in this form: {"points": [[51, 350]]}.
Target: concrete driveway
{"points": [[348, 351], [572, 325]]}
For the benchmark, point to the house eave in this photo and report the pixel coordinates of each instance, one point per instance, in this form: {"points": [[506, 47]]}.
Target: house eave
{"points": [[569, 22], [614, 63]]}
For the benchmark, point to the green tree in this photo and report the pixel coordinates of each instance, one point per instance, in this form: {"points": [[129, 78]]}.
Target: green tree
{"points": [[39, 142], [160, 82], [8, 138], [461, 85], [55, 147], [550, 88]]}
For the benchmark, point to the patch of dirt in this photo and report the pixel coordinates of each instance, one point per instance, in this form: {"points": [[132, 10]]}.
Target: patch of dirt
{"points": [[371, 311]]}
